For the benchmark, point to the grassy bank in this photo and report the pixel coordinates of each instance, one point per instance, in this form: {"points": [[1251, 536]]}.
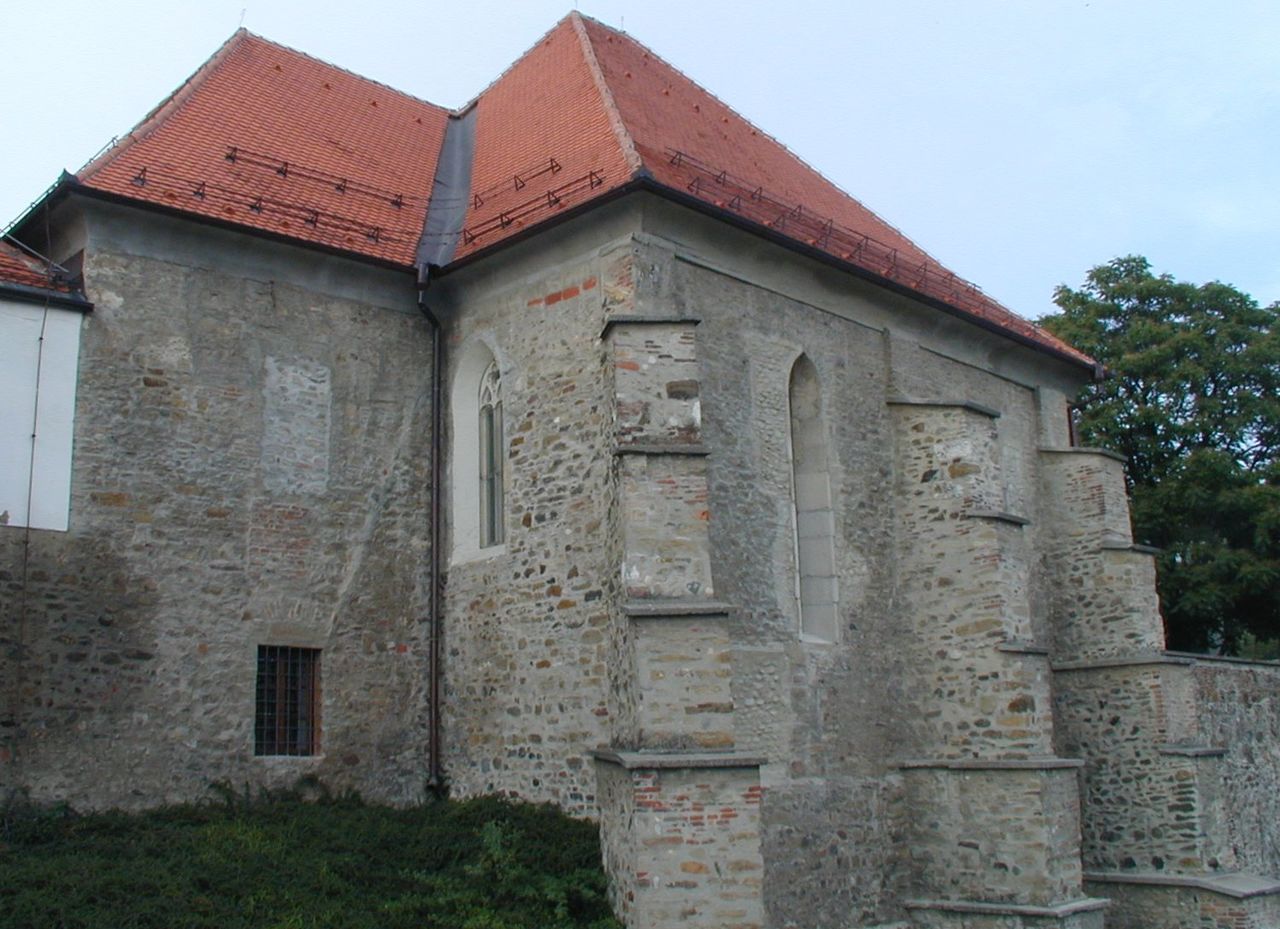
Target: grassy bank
{"points": [[281, 863]]}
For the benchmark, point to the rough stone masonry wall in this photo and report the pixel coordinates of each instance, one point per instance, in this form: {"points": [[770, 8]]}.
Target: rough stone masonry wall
{"points": [[251, 467], [1015, 839], [686, 801], [996, 819], [1103, 602], [821, 714], [1141, 803], [1181, 768], [1238, 708], [962, 582], [1181, 783], [831, 719], [1197, 907], [527, 644]]}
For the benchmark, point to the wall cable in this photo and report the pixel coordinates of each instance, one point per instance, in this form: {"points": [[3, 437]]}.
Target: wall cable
{"points": [[20, 649]]}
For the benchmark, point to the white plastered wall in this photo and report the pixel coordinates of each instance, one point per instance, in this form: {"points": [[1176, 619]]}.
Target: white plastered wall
{"points": [[41, 347]]}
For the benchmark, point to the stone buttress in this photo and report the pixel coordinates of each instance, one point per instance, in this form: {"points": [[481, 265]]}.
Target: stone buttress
{"points": [[1171, 743], [679, 807], [995, 833]]}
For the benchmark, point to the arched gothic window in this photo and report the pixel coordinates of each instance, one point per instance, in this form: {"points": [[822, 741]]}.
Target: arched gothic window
{"points": [[490, 407], [811, 496], [478, 457]]}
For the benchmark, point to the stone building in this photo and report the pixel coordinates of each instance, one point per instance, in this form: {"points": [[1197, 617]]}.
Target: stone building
{"points": [[585, 445]]}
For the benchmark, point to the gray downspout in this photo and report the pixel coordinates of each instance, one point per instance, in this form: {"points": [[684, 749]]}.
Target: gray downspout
{"points": [[446, 211], [435, 776]]}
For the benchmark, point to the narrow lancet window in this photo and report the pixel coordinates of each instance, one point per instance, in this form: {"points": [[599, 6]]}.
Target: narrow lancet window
{"points": [[814, 517], [491, 524]]}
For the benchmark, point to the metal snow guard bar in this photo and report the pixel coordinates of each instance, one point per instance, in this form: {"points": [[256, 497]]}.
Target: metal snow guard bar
{"points": [[549, 200], [756, 203]]}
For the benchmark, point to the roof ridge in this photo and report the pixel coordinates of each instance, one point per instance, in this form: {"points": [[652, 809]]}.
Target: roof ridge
{"points": [[509, 68], [619, 126], [784, 147], [159, 113], [360, 77]]}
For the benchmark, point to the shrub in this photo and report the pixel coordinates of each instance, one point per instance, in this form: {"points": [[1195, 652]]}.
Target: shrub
{"points": [[277, 861]]}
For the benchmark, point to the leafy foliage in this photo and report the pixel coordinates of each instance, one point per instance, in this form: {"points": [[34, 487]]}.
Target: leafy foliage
{"points": [[277, 862], [1193, 401]]}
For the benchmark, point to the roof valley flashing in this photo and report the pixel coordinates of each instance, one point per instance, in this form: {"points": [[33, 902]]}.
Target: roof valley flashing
{"points": [[450, 194]]}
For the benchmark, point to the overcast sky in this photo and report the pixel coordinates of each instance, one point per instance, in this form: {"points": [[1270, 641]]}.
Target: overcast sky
{"points": [[1020, 142]]}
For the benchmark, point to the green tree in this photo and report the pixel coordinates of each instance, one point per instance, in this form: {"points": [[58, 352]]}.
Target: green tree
{"points": [[1192, 398]]}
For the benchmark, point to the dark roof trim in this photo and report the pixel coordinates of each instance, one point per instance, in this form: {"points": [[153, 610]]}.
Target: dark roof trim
{"points": [[817, 254], [48, 297], [70, 184], [643, 181]]}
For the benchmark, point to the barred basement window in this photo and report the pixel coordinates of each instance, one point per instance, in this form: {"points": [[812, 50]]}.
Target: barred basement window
{"points": [[287, 707]]}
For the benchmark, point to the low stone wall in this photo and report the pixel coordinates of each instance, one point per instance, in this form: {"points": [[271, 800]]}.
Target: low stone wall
{"points": [[1238, 709], [1174, 747], [1215, 903]]}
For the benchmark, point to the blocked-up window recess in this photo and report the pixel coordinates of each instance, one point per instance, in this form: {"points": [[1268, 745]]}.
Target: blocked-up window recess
{"points": [[1074, 412], [287, 705], [811, 498]]}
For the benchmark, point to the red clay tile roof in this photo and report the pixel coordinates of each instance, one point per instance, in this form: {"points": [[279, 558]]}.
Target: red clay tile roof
{"points": [[546, 123], [18, 267], [691, 142], [266, 137]]}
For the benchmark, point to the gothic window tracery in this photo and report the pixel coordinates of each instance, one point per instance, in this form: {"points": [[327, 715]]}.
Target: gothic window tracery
{"points": [[490, 431]]}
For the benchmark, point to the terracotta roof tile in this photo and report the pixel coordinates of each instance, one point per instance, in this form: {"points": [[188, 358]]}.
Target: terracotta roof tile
{"points": [[693, 143], [267, 137], [544, 141], [18, 267]]}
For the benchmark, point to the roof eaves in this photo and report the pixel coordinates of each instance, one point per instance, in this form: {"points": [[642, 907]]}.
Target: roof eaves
{"points": [[555, 219], [161, 111], [710, 209], [58, 287], [643, 181], [75, 185], [28, 294]]}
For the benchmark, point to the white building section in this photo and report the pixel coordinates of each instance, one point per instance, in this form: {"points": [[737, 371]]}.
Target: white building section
{"points": [[37, 412]]}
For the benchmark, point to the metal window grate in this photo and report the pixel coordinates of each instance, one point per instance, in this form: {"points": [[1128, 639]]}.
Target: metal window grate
{"points": [[286, 708]]}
